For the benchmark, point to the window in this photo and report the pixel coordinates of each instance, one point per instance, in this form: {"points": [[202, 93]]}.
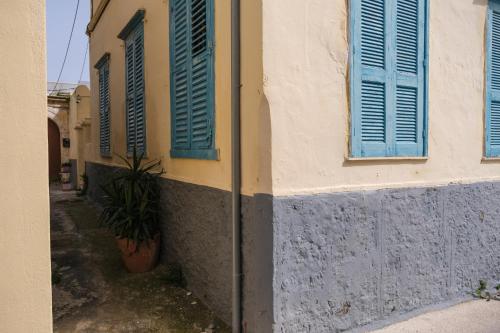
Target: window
{"points": [[388, 78], [133, 34], [493, 81], [104, 113], [192, 79]]}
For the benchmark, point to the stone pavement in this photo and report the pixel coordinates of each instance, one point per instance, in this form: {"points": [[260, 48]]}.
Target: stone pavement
{"points": [[477, 316], [92, 292]]}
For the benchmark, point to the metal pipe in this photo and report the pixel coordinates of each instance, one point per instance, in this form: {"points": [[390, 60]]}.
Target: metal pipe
{"points": [[236, 163]]}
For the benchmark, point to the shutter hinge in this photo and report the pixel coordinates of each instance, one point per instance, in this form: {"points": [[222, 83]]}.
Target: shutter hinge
{"points": [[211, 46], [210, 130]]}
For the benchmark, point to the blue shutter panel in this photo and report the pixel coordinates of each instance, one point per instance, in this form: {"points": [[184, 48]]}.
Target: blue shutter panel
{"points": [[105, 131], [410, 77], [387, 77], [192, 78], [370, 79], [140, 117], [202, 82], [136, 117], [130, 89], [180, 55], [493, 82]]}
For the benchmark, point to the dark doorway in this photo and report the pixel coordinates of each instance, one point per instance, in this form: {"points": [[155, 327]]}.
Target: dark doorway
{"points": [[54, 151]]}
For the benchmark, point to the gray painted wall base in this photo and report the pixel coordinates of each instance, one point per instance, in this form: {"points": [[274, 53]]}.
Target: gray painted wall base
{"points": [[332, 262], [349, 259]]}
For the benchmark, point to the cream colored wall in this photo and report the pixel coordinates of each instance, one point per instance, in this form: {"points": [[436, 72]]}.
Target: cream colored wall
{"points": [[306, 83], [255, 112], [25, 287], [156, 27], [79, 116]]}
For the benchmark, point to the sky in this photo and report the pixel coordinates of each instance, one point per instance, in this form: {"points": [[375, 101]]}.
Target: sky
{"points": [[60, 14]]}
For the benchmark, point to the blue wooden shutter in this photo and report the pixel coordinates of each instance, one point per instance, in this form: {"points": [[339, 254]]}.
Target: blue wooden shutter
{"points": [[370, 84], [134, 61], [387, 77], [410, 77], [104, 112], [130, 90], [180, 63], [192, 78], [202, 82], [140, 116], [493, 82]]}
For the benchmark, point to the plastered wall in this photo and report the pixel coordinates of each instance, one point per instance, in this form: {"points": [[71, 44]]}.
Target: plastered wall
{"points": [[25, 288], [156, 28], [306, 82], [256, 152]]}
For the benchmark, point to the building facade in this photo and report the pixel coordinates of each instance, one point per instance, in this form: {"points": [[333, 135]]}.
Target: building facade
{"points": [[26, 304], [369, 148]]}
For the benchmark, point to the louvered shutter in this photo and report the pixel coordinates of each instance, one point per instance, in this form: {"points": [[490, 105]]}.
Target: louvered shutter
{"points": [[192, 78], [202, 83], [493, 82], [135, 86], [387, 77], [371, 78], [130, 89], [410, 77], [180, 76], [105, 131], [140, 117]]}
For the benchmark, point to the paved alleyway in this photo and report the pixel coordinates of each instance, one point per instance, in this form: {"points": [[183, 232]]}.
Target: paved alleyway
{"points": [[477, 316], [93, 293]]}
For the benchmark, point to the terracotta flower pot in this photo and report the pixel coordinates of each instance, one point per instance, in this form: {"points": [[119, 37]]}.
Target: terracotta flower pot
{"points": [[142, 260]]}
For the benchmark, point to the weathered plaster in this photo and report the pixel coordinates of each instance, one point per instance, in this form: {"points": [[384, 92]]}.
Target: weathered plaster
{"points": [[25, 285], [305, 61]]}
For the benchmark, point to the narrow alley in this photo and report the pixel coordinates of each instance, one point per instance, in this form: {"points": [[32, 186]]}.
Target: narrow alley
{"points": [[92, 292]]}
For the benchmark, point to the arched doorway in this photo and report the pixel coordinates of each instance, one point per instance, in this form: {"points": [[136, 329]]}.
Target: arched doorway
{"points": [[54, 151]]}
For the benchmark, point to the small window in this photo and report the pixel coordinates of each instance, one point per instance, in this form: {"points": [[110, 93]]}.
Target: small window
{"points": [[104, 105], [388, 78], [192, 79], [493, 81]]}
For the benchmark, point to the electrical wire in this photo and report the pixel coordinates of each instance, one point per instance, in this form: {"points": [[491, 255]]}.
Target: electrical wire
{"points": [[84, 62], [67, 48]]}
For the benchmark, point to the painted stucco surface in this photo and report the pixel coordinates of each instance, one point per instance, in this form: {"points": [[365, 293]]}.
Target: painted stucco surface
{"points": [[156, 47], [348, 259], [306, 81], [256, 150], [25, 288], [79, 123]]}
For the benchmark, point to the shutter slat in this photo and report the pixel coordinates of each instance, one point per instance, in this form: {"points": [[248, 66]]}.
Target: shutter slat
{"points": [[406, 115], [372, 33], [373, 112], [407, 36]]}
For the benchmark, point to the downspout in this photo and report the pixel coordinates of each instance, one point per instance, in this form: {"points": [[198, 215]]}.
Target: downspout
{"points": [[236, 163]]}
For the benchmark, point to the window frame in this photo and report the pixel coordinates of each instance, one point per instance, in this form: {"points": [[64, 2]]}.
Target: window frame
{"points": [[354, 146], [489, 150], [210, 153], [127, 33], [102, 63]]}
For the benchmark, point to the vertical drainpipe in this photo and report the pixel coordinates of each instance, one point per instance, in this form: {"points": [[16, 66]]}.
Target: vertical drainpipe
{"points": [[236, 163]]}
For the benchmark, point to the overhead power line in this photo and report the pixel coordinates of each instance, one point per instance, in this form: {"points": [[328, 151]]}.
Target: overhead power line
{"points": [[84, 62], [67, 48]]}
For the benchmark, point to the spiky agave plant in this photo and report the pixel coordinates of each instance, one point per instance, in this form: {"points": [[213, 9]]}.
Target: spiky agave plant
{"points": [[132, 200]]}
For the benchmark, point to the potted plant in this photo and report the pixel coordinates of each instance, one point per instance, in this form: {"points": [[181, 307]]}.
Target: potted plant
{"points": [[131, 212]]}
